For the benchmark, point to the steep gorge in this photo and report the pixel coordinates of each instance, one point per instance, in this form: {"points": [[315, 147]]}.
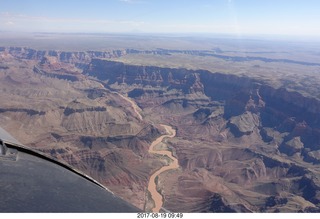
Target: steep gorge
{"points": [[242, 135], [243, 144]]}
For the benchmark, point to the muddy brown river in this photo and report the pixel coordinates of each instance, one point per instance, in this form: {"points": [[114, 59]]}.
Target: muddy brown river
{"points": [[152, 187]]}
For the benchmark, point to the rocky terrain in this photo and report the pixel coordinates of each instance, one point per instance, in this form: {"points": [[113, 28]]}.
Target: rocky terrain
{"points": [[243, 143]]}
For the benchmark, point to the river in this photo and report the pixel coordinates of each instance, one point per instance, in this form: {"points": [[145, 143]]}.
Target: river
{"points": [[152, 187]]}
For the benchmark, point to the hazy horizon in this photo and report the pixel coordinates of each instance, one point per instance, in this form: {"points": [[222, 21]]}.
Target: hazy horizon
{"points": [[235, 17]]}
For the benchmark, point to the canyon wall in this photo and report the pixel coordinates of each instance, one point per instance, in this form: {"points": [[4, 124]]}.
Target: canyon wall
{"points": [[243, 144], [278, 108], [276, 127]]}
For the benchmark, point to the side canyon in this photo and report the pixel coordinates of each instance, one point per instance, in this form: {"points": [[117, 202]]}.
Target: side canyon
{"points": [[243, 143]]}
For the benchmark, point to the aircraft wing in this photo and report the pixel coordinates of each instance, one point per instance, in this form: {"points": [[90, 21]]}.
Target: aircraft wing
{"points": [[32, 182]]}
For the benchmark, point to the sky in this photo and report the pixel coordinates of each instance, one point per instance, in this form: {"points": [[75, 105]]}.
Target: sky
{"points": [[283, 17]]}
